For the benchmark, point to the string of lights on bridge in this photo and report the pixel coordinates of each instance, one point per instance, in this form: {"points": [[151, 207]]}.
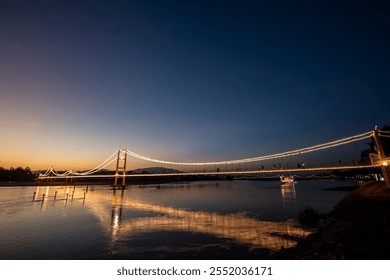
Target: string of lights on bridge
{"points": [[113, 158], [385, 134], [261, 158]]}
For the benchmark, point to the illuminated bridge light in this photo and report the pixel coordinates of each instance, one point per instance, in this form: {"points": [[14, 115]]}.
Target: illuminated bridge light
{"points": [[224, 167]]}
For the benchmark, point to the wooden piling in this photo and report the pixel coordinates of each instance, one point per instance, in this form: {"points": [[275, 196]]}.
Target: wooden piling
{"points": [[34, 196]]}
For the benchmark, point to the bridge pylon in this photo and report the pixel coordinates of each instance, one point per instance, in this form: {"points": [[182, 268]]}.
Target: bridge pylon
{"points": [[120, 171], [382, 157]]}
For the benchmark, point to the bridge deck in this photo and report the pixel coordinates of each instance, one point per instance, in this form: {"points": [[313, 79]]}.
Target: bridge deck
{"points": [[249, 172]]}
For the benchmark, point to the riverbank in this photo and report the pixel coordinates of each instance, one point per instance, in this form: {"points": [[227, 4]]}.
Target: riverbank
{"points": [[133, 180], [358, 229]]}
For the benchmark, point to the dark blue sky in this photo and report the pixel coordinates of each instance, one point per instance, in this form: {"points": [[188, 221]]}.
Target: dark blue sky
{"points": [[188, 80]]}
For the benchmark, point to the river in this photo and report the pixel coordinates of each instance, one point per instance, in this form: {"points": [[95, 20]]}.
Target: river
{"points": [[190, 220]]}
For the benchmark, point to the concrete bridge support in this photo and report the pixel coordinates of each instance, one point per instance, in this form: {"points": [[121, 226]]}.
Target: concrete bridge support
{"points": [[121, 167], [382, 157]]}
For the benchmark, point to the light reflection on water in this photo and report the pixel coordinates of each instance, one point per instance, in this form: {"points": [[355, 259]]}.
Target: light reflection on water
{"points": [[227, 219]]}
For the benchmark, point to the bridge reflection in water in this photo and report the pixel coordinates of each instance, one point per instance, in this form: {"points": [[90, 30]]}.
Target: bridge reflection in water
{"points": [[288, 194], [237, 227]]}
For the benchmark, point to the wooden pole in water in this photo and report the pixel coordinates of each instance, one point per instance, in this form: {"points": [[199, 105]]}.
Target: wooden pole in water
{"points": [[55, 196], [34, 196], [382, 157]]}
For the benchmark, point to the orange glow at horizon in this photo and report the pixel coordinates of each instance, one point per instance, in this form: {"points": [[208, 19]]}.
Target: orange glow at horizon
{"points": [[59, 162]]}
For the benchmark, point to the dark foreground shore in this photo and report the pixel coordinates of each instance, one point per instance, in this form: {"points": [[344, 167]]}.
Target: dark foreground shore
{"points": [[358, 229]]}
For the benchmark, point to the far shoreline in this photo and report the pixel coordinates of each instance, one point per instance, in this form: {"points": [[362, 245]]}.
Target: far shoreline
{"points": [[156, 180]]}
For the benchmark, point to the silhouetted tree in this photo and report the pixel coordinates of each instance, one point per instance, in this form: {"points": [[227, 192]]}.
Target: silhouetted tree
{"points": [[386, 141], [16, 174], [364, 155]]}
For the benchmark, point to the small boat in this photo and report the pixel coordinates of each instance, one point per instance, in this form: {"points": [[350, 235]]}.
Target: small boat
{"points": [[287, 179]]}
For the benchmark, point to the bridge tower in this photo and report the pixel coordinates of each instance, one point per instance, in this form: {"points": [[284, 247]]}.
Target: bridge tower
{"points": [[121, 166], [382, 157]]}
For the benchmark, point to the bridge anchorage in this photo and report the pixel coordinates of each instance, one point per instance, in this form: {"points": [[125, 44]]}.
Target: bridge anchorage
{"points": [[376, 134], [279, 163]]}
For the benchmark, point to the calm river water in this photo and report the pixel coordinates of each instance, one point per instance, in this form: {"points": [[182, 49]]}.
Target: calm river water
{"points": [[190, 220]]}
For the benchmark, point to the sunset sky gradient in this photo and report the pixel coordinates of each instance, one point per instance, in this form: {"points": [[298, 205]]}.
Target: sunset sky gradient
{"points": [[187, 80]]}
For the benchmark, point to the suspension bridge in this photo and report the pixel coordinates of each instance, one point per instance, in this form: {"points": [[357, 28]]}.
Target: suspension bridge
{"points": [[284, 162]]}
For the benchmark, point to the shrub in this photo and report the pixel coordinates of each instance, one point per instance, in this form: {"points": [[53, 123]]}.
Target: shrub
{"points": [[309, 217]]}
